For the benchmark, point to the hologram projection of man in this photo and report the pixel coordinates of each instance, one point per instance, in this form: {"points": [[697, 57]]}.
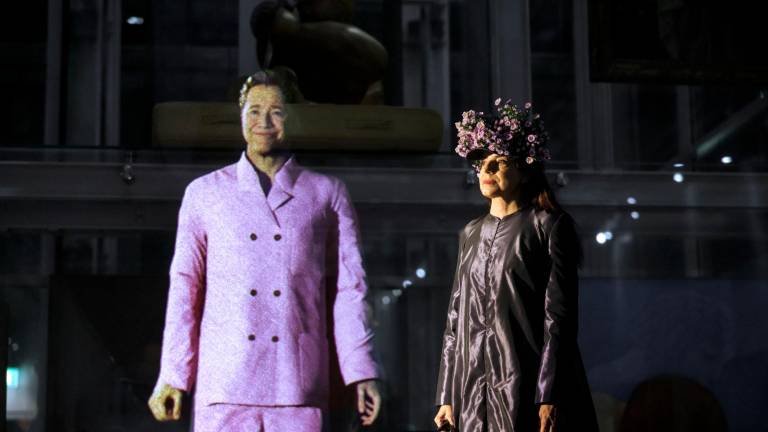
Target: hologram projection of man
{"points": [[246, 317]]}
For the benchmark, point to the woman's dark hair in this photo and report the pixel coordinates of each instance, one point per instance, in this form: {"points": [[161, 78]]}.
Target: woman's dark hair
{"points": [[537, 192], [281, 77], [535, 188]]}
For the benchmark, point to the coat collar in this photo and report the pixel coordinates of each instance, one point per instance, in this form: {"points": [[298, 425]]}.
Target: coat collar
{"points": [[282, 187]]}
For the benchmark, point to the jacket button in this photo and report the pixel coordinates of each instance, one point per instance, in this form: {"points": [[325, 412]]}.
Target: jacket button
{"points": [[276, 293], [253, 236], [275, 338], [251, 337], [253, 292], [278, 237]]}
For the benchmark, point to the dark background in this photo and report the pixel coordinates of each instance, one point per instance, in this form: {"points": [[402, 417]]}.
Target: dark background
{"points": [[663, 152]]}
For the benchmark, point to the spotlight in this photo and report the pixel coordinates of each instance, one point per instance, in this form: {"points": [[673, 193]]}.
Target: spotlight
{"points": [[135, 20], [678, 165], [12, 377], [635, 215], [726, 160], [678, 177], [421, 273], [631, 200], [601, 238], [407, 283]]}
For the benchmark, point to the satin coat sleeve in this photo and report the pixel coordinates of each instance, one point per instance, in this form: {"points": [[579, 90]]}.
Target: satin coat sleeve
{"points": [[448, 357], [560, 308], [352, 332], [185, 297]]}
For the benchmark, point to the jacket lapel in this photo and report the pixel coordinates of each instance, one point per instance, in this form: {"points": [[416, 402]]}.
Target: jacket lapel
{"points": [[282, 186]]}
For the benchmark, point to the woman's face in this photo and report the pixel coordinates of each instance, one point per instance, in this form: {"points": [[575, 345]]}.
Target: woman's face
{"points": [[499, 177], [263, 118]]}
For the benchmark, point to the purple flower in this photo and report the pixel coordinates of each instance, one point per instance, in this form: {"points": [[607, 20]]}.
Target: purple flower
{"points": [[499, 132]]}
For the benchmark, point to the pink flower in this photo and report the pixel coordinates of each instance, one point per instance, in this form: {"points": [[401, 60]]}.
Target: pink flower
{"points": [[527, 105], [529, 160], [531, 138], [498, 101]]}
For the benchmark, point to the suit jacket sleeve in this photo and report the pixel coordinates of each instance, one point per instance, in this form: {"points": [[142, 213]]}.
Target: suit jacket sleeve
{"points": [[560, 309], [352, 332], [445, 377], [185, 298]]}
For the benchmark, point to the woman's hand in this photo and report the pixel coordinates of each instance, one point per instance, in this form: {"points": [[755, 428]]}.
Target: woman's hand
{"points": [[547, 418], [445, 414]]}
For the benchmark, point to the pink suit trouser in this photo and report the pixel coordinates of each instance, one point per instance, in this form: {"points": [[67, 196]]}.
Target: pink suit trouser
{"points": [[248, 418]]}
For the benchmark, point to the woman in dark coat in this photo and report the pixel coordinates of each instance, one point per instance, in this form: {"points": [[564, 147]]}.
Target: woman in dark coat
{"points": [[510, 360]]}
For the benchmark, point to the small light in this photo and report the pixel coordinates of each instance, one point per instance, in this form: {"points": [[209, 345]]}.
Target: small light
{"points": [[135, 20], [421, 273], [14, 347], [635, 215], [601, 238], [631, 200], [726, 160], [407, 283], [608, 235], [678, 165], [397, 292], [12, 377], [678, 177], [386, 300]]}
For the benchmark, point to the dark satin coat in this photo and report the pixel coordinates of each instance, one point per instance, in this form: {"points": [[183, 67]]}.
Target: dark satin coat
{"points": [[510, 337]]}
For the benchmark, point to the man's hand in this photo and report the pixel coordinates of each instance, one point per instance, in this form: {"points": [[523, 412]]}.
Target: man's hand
{"points": [[444, 414], [165, 403], [547, 418], [368, 401]]}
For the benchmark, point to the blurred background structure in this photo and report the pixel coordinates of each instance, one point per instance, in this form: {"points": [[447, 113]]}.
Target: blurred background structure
{"points": [[658, 114]]}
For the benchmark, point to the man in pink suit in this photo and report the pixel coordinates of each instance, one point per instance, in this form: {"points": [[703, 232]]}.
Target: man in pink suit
{"points": [[245, 323]]}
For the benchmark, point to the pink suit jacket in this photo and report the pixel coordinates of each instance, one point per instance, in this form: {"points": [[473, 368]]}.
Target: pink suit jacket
{"points": [[246, 316]]}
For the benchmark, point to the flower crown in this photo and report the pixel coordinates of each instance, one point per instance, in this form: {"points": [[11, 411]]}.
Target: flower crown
{"points": [[510, 132]]}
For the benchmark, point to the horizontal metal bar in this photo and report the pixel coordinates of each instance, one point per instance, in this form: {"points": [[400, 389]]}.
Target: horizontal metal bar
{"points": [[161, 182], [387, 219]]}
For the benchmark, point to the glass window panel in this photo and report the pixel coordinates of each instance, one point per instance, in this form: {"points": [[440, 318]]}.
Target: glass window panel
{"points": [[23, 41]]}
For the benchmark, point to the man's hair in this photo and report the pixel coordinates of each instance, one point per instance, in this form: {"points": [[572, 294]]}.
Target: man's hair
{"points": [[282, 78]]}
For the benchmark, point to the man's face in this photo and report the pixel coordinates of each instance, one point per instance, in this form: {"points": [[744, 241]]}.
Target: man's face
{"points": [[499, 177], [263, 118]]}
